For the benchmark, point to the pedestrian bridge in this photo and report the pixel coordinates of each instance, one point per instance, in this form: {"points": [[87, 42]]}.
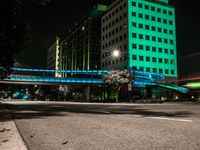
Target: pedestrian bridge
{"points": [[22, 75]]}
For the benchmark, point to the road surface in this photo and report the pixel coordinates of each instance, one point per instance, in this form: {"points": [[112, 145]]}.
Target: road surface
{"points": [[82, 126]]}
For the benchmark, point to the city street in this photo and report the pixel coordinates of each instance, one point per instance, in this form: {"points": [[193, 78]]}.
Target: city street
{"points": [[83, 126]]}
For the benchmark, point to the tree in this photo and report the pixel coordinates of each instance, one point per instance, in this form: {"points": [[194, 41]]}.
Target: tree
{"points": [[14, 33], [117, 78]]}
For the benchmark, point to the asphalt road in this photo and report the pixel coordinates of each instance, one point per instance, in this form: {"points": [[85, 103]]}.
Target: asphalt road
{"points": [[82, 126]]}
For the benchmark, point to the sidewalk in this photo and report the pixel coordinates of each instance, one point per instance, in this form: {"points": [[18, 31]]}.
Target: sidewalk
{"points": [[10, 138]]}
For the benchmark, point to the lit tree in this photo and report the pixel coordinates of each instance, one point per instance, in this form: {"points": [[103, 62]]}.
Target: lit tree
{"points": [[117, 78]]}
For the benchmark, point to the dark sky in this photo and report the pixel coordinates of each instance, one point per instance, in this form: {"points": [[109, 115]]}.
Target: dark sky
{"points": [[58, 16]]}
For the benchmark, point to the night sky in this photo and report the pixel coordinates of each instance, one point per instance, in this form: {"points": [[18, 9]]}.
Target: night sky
{"points": [[57, 17]]}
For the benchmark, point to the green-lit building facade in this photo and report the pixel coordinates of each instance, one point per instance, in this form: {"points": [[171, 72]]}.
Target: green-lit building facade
{"points": [[80, 47], [144, 32]]}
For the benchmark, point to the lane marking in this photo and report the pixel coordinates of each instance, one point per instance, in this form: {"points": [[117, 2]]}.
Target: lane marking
{"points": [[171, 119]]}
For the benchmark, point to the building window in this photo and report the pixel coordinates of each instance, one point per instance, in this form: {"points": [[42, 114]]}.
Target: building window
{"points": [[152, 8], [171, 42], [134, 46], [146, 7], [154, 70], [159, 19], [141, 58], [170, 22], [153, 38], [160, 71], [147, 37], [147, 48], [140, 16], [140, 25], [153, 18], [165, 21], [160, 40], [134, 14], [160, 60], [171, 51], [158, 10], [134, 68], [147, 27], [147, 58], [154, 49], [165, 41], [172, 71], [170, 32], [148, 69], [133, 35], [140, 36], [134, 57], [134, 24], [147, 17], [159, 30], [166, 61], [133, 3], [166, 71], [140, 5], [170, 13], [172, 62], [153, 28], [165, 30], [141, 68], [166, 51], [164, 11], [141, 47], [124, 15], [154, 59]]}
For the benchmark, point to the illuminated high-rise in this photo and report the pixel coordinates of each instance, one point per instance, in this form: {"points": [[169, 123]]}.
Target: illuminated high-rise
{"points": [[144, 32], [80, 47]]}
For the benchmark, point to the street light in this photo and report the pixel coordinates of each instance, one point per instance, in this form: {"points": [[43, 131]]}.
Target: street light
{"points": [[115, 53]]}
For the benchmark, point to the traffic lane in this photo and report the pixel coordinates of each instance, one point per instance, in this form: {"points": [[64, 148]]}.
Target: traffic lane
{"points": [[90, 131]]}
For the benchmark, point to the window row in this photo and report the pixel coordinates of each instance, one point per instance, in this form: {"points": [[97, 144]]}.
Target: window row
{"points": [[152, 28], [153, 38], [154, 49], [114, 12], [156, 70], [153, 59], [113, 41], [113, 62], [115, 21], [114, 31], [152, 18], [152, 8]]}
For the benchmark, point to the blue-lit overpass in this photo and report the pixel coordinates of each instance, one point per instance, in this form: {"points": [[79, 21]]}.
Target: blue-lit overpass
{"points": [[93, 77]]}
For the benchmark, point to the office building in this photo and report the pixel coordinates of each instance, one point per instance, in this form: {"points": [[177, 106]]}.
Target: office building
{"points": [[80, 47], [144, 32]]}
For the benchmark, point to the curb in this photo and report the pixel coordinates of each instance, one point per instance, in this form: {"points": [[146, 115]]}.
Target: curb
{"points": [[10, 138]]}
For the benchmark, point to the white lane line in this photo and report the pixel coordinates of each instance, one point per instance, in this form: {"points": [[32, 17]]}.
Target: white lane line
{"points": [[171, 119]]}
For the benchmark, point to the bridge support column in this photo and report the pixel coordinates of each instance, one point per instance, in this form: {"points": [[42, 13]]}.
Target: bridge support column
{"points": [[87, 93]]}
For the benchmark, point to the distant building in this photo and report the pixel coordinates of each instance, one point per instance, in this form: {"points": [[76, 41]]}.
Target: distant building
{"points": [[144, 32], [80, 47], [52, 55]]}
